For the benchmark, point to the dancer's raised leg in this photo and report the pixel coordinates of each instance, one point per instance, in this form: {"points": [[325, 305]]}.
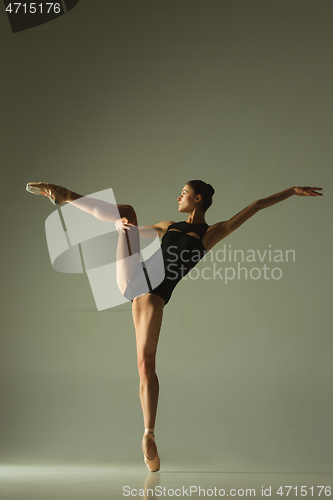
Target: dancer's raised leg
{"points": [[128, 249], [100, 209], [128, 255]]}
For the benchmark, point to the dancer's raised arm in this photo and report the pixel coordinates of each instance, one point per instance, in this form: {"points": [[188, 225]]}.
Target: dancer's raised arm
{"points": [[219, 231]]}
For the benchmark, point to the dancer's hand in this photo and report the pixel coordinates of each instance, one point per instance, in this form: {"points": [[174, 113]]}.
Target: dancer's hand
{"points": [[307, 191], [123, 224]]}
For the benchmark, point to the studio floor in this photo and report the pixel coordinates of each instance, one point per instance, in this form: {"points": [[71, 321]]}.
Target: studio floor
{"points": [[116, 482]]}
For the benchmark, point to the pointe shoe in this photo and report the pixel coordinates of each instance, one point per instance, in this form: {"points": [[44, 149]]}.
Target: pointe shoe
{"points": [[153, 464], [56, 194]]}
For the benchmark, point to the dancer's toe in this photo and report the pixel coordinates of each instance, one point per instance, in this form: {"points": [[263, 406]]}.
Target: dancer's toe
{"points": [[151, 458], [56, 194]]}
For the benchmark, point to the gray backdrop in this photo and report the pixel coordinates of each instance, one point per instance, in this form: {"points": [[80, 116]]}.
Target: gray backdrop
{"points": [[142, 96]]}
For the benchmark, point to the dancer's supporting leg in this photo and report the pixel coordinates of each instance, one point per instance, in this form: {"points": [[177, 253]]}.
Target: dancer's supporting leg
{"points": [[147, 313]]}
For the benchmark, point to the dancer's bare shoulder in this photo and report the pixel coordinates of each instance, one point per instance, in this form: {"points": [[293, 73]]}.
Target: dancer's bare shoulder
{"points": [[213, 235]]}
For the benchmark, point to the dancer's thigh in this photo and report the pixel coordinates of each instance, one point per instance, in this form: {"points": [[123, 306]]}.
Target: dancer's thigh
{"points": [[147, 313]]}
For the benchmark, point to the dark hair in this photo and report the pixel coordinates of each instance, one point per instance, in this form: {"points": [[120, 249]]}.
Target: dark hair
{"points": [[206, 191]]}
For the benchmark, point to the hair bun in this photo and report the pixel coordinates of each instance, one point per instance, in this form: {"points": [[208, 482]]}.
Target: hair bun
{"points": [[210, 189]]}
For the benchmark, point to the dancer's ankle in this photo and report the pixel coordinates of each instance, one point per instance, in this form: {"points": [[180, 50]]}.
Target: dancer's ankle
{"points": [[73, 196], [66, 194]]}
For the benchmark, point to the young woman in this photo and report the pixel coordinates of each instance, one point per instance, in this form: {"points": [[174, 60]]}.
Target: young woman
{"points": [[183, 245]]}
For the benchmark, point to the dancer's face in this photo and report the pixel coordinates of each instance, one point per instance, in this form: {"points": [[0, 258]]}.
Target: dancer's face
{"points": [[187, 200]]}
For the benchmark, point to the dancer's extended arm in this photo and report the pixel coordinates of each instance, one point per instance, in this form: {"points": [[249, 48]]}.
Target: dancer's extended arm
{"points": [[144, 231], [151, 231], [220, 230]]}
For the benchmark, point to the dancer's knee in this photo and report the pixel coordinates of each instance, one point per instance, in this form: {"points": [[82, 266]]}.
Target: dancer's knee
{"points": [[146, 369], [129, 212]]}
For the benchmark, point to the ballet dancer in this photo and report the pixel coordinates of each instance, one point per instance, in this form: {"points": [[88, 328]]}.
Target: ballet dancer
{"points": [[189, 240]]}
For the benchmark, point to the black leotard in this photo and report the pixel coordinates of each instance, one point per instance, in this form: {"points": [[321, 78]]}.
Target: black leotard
{"points": [[181, 252]]}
